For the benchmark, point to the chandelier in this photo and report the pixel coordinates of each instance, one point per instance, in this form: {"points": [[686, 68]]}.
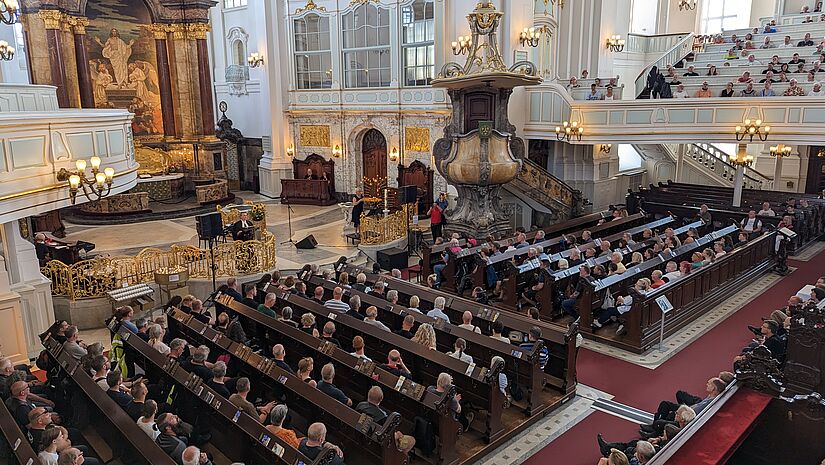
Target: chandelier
{"points": [[742, 160], [6, 51], [95, 187], [687, 5], [780, 150], [752, 129], [461, 46], [9, 11], [568, 130]]}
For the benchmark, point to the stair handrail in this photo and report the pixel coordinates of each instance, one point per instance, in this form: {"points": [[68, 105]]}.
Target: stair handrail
{"points": [[719, 156], [675, 54], [573, 194], [754, 173], [641, 43]]}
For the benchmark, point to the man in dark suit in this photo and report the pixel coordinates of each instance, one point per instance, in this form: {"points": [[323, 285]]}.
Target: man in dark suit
{"points": [[243, 229]]}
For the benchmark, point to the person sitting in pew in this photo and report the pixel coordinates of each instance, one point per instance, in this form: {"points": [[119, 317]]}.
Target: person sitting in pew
{"points": [[193, 456], [604, 248], [539, 237], [460, 345], [671, 271], [425, 335], [73, 456], [766, 210], [719, 249], [156, 334], [343, 280], [392, 297], [406, 327], [395, 364], [575, 258], [372, 408], [239, 399], [751, 225], [327, 387], [276, 426], [708, 256], [467, 322], [667, 409], [569, 304], [656, 280], [372, 318], [612, 453], [697, 260], [218, 380], [360, 282], [305, 366], [249, 296], [172, 438], [355, 308], [438, 309], [442, 384], [328, 334], [377, 289], [682, 417], [623, 305], [197, 363], [533, 335], [318, 295], [308, 324], [116, 389], [498, 328], [616, 259], [316, 442], [286, 317], [358, 348], [52, 443]]}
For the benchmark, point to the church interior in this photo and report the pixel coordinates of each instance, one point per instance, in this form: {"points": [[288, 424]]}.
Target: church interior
{"points": [[579, 232]]}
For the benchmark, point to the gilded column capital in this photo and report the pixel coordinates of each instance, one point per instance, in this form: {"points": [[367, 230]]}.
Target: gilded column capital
{"points": [[159, 31], [52, 18], [198, 31], [78, 24]]}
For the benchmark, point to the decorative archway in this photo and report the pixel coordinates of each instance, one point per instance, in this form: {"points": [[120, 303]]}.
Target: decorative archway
{"points": [[374, 158]]}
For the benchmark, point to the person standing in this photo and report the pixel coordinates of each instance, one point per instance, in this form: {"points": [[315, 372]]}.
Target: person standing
{"points": [[357, 209], [436, 220]]}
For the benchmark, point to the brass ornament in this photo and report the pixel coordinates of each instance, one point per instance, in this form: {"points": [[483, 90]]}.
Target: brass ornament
{"points": [[416, 139], [310, 6]]}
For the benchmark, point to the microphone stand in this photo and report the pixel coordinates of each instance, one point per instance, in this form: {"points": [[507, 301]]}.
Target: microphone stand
{"points": [[285, 200]]}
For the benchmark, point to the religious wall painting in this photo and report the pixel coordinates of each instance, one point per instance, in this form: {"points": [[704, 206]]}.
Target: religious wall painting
{"points": [[123, 62]]}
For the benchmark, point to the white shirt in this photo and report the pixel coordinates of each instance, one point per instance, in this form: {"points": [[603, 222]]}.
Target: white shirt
{"points": [[672, 275], [608, 97], [148, 428], [501, 338], [361, 356], [749, 224], [47, 458], [784, 45], [819, 93], [682, 94], [471, 327], [461, 356], [627, 303], [768, 212], [161, 347]]}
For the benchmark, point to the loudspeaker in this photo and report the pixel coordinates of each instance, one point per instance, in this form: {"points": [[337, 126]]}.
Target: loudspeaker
{"points": [[209, 226], [392, 258], [308, 242], [407, 194]]}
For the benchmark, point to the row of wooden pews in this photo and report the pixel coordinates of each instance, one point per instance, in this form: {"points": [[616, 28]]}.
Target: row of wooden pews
{"points": [[558, 378], [684, 201], [129, 443], [237, 435], [17, 445]]}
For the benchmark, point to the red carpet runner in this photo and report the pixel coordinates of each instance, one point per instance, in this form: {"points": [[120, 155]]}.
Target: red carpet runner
{"points": [[689, 369]]}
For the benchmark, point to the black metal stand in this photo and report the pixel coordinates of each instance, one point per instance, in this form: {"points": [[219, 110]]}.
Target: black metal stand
{"points": [[781, 266], [212, 265], [285, 201]]}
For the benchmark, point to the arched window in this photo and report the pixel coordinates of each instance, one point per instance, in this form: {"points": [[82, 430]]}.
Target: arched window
{"points": [[366, 47], [238, 52], [417, 38], [313, 60]]}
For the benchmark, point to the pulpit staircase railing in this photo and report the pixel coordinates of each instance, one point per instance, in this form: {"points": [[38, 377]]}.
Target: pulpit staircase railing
{"points": [[535, 185]]}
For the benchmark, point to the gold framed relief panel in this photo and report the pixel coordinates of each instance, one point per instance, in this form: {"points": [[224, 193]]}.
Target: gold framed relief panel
{"points": [[314, 135], [416, 139]]}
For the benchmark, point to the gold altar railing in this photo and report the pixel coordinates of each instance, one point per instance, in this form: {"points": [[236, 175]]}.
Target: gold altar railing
{"points": [[93, 278], [381, 230]]}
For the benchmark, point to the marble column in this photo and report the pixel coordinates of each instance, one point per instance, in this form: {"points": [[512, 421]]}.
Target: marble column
{"points": [[52, 20], [199, 31], [164, 79], [739, 178], [84, 77]]}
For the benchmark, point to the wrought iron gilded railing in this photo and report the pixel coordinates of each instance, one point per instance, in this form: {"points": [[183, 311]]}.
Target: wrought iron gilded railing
{"points": [[384, 229], [93, 278]]}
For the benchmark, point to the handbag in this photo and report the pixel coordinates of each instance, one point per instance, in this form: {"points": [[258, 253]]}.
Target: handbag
{"points": [[608, 301]]}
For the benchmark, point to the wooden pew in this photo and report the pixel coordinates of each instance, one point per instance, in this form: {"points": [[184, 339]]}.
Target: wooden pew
{"points": [[476, 384], [138, 445], [239, 436], [364, 440], [352, 374], [516, 276], [18, 442], [518, 365], [431, 255], [560, 370]]}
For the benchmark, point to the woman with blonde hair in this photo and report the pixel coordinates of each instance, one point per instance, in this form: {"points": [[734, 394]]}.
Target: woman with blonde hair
{"points": [[308, 324], [156, 334], [305, 366], [343, 280], [425, 336]]}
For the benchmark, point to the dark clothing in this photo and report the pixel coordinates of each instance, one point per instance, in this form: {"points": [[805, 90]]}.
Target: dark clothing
{"points": [[777, 347], [406, 334], [395, 370], [251, 303], [355, 314], [220, 388], [121, 398], [332, 340], [135, 410], [198, 369], [243, 230], [313, 452], [805, 43], [173, 446], [284, 366], [357, 210], [20, 410], [332, 391], [373, 411]]}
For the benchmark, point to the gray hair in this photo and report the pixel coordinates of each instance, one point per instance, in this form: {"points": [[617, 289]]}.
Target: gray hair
{"points": [[444, 380], [391, 295], [155, 331], [191, 456], [645, 449], [200, 354], [286, 313], [316, 432], [177, 343], [219, 369], [278, 414], [242, 385], [440, 302], [687, 414]]}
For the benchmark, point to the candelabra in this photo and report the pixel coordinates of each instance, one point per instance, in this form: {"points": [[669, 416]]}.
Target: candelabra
{"points": [[780, 150], [615, 43], [9, 11], [687, 5], [94, 188], [462, 46], [569, 130], [743, 160], [751, 129], [255, 60], [6, 51]]}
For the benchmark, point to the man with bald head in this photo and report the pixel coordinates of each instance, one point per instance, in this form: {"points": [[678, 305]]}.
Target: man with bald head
{"points": [[395, 364], [467, 322], [335, 303]]}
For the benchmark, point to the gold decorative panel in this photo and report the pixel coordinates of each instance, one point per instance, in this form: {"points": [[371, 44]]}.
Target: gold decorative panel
{"points": [[314, 135], [417, 139]]}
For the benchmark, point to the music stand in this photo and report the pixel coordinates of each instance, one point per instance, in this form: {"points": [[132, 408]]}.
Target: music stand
{"points": [[285, 201]]}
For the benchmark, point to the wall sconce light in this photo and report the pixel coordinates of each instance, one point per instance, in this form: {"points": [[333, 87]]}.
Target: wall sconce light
{"points": [[6, 51], [569, 130], [605, 148], [255, 60], [9, 11], [462, 46], [529, 36], [98, 185], [687, 5], [615, 43], [394, 155], [780, 150], [290, 151], [751, 129], [336, 151]]}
